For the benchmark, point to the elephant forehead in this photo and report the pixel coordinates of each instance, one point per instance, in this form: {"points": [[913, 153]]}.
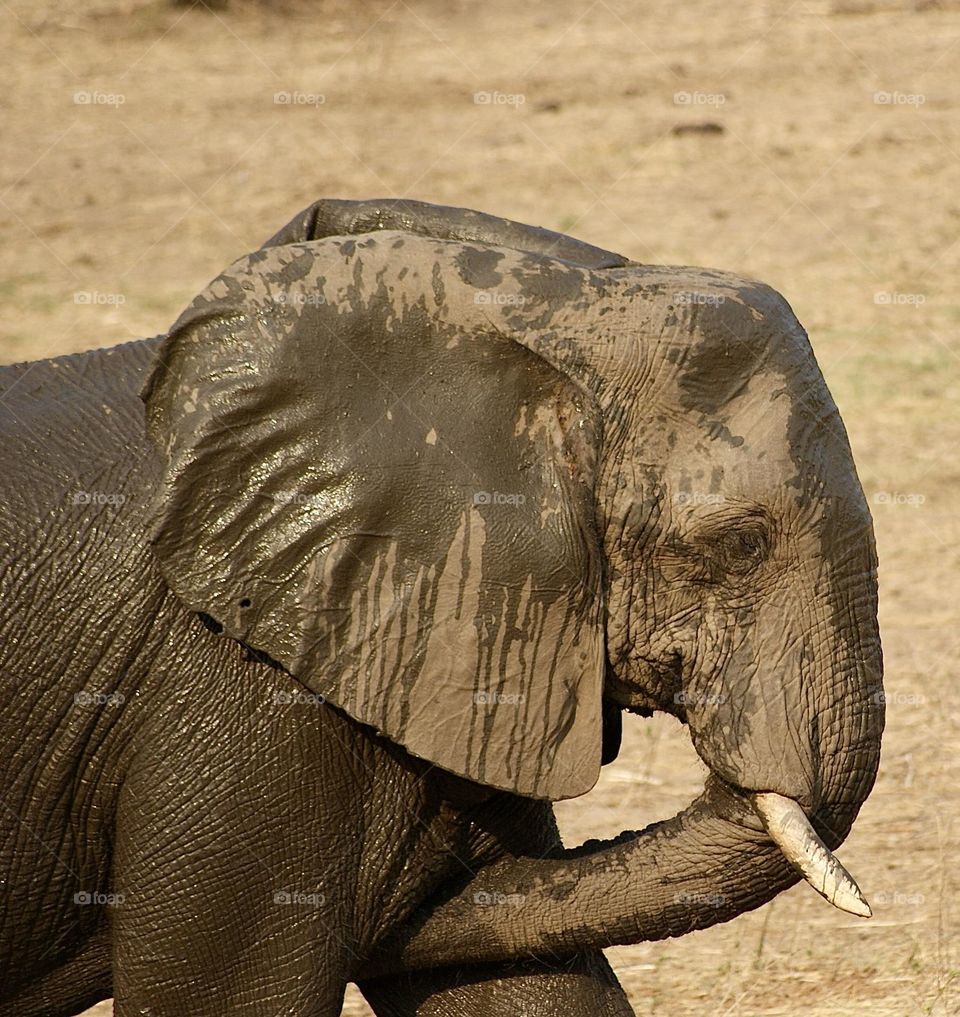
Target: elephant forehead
{"points": [[742, 448], [729, 396], [777, 442]]}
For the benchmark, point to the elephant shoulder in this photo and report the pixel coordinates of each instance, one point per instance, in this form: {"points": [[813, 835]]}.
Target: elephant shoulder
{"points": [[72, 446]]}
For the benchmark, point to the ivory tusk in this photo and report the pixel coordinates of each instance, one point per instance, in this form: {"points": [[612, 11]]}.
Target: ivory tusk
{"points": [[791, 831]]}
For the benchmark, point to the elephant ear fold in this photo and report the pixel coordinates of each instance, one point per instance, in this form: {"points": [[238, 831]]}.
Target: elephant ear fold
{"points": [[395, 509], [335, 217]]}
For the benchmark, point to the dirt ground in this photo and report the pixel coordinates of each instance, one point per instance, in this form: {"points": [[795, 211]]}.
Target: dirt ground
{"points": [[147, 145]]}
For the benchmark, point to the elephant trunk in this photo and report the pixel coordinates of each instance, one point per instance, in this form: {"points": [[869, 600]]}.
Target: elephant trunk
{"points": [[708, 864], [731, 851]]}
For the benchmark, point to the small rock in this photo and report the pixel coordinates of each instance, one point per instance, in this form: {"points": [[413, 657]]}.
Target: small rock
{"points": [[707, 127]]}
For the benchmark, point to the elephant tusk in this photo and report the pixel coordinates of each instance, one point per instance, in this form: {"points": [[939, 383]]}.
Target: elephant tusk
{"points": [[791, 831]]}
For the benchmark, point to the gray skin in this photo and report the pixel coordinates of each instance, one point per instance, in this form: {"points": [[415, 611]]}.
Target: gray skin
{"points": [[148, 758], [194, 617]]}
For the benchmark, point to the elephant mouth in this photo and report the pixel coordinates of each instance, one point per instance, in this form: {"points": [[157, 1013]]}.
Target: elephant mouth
{"points": [[658, 688], [788, 827], [783, 818]]}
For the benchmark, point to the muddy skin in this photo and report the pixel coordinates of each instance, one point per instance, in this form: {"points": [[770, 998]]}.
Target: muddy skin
{"points": [[297, 651], [156, 765]]}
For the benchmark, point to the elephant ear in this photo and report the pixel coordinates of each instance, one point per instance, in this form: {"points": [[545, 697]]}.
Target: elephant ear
{"points": [[391, 501]]}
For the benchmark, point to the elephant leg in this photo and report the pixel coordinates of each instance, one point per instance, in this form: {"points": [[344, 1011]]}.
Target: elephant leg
{"points": [[582, 986], [223, 904], [70, 989]]}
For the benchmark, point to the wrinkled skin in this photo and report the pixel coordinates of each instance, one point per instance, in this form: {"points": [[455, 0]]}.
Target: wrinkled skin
{"points": [[185, 698], [146, 757]]}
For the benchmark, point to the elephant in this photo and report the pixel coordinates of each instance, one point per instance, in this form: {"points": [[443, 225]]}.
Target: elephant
{"points": [[313, 606]]}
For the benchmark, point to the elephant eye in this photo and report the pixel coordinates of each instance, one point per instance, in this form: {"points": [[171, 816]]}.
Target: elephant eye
{"points": [[741, 550]]}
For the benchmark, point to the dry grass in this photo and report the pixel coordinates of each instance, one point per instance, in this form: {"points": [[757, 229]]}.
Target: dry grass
{"points": [[812, 185]]}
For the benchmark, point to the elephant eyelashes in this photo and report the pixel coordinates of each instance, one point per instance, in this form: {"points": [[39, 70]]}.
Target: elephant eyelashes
{"points": [[731, 551], [742, 550]]}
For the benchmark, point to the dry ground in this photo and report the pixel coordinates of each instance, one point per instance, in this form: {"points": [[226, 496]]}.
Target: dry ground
{"points": [[114, 215]]}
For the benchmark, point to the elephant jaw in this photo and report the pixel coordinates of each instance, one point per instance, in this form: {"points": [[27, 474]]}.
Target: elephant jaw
{"points": [[791, 831]]}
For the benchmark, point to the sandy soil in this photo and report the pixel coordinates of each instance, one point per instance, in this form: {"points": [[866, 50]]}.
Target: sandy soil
{"points": [[145, 149]]}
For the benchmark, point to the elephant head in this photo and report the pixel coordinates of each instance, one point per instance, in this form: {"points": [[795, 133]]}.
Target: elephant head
{"points": [[468, 480]]}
